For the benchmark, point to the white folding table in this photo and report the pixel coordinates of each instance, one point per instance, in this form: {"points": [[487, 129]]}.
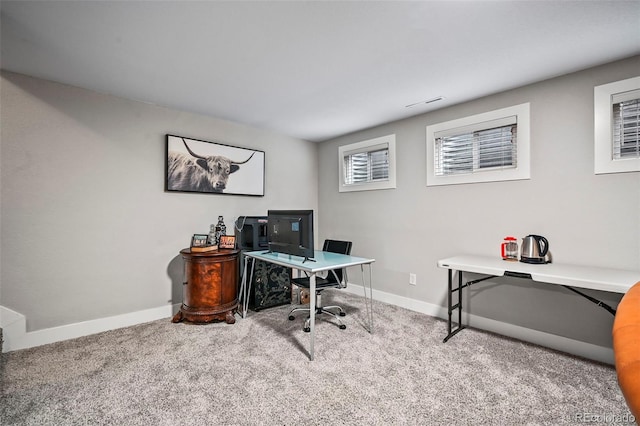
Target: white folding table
{"points": [[572, 277]]}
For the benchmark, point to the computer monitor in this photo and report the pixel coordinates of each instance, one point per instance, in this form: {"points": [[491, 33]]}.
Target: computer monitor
{"points": [[291, 232]]}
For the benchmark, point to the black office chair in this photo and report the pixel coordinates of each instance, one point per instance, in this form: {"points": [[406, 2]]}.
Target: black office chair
{"points": [[335, 278]]}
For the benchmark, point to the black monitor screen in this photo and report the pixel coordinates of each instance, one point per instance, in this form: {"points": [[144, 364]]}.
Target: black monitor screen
{"points": [[291, 232]]}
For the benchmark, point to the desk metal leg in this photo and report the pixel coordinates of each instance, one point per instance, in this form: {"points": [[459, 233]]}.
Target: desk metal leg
{"points": [[460, 326], [243, 285], [245, 289], [369, 305], [253, 265], [312, 312]]}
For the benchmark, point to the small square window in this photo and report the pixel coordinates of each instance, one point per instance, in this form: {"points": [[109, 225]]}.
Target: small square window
{"points": [[368, 165], [617, 126]]}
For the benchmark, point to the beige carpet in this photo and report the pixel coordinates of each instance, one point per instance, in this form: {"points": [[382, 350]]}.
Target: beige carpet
{"points": [[257, 372]]}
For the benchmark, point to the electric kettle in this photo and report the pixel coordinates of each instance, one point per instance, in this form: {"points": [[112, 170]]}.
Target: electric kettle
{"points": [[535, 249]]}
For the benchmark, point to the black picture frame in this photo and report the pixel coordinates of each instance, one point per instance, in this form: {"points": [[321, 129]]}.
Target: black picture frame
{"points": [[227, 242], [199, 240], [197, 166]]}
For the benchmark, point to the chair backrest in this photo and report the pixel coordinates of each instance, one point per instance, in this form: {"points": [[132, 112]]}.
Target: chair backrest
{"points": [[336, 246]]}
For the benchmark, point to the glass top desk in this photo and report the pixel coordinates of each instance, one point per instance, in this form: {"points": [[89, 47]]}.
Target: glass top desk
{"points": [[322, 261]]}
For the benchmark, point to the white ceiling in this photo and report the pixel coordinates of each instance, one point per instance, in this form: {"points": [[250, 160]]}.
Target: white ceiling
{"points": [[311, 69]]}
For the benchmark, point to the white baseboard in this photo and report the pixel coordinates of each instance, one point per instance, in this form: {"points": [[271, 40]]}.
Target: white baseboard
{"points": [[15, 335], [559, 343]]}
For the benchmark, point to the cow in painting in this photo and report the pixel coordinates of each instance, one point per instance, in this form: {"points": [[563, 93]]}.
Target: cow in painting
{"points": [[198, 173]]}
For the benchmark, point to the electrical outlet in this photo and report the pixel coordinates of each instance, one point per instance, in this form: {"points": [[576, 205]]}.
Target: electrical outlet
{"points": [[412, 279]]}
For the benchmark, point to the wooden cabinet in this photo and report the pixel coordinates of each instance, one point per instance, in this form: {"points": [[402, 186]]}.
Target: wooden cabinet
{"points": [[210, 287]]}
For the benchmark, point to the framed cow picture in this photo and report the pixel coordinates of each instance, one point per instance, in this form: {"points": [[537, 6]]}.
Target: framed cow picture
{"points": [[198, 166]]}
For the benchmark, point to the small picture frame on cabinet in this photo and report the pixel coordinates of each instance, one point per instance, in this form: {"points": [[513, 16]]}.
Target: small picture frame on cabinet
{"points": [[199, 240], [227, 242]]}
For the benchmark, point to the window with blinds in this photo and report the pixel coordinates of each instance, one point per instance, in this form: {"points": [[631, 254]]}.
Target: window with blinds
{"points": [[626, 125], [368, 165], [616, 131], [364, 167], [488, 147], [461, 151]]}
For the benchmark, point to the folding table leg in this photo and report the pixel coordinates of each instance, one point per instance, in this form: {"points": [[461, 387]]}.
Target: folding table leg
{"points": [[451, 307]]}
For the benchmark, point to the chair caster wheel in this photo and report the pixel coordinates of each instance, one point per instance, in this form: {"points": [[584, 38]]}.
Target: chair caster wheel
{"points": [[307, 329], [291, 317], [342, 327], [342, 314]]}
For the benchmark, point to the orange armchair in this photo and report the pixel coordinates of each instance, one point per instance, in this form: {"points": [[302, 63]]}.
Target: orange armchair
{"points": [[626, 347]]}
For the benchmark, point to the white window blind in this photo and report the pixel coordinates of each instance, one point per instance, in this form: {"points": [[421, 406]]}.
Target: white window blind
{"points": [[615, 126], [492, 146], [486, 146], [626, 125], [367, 166]]}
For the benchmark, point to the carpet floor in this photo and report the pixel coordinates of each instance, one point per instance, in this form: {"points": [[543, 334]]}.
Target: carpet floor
{"points": [[257, 372]]}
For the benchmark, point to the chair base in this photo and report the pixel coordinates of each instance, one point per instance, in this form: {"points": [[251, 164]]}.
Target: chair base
{"points": [[327, 310]]}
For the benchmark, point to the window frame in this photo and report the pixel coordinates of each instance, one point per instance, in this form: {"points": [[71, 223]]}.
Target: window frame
{"points": [[603, 127], [520, 172], [368, 146]]}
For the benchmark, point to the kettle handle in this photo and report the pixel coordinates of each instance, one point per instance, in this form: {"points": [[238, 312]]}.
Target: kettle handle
{"points": [[539, 238]]}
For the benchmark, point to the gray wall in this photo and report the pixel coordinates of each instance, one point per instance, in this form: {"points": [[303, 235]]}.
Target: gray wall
{"points": [[588, 219], [87, 229]]}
